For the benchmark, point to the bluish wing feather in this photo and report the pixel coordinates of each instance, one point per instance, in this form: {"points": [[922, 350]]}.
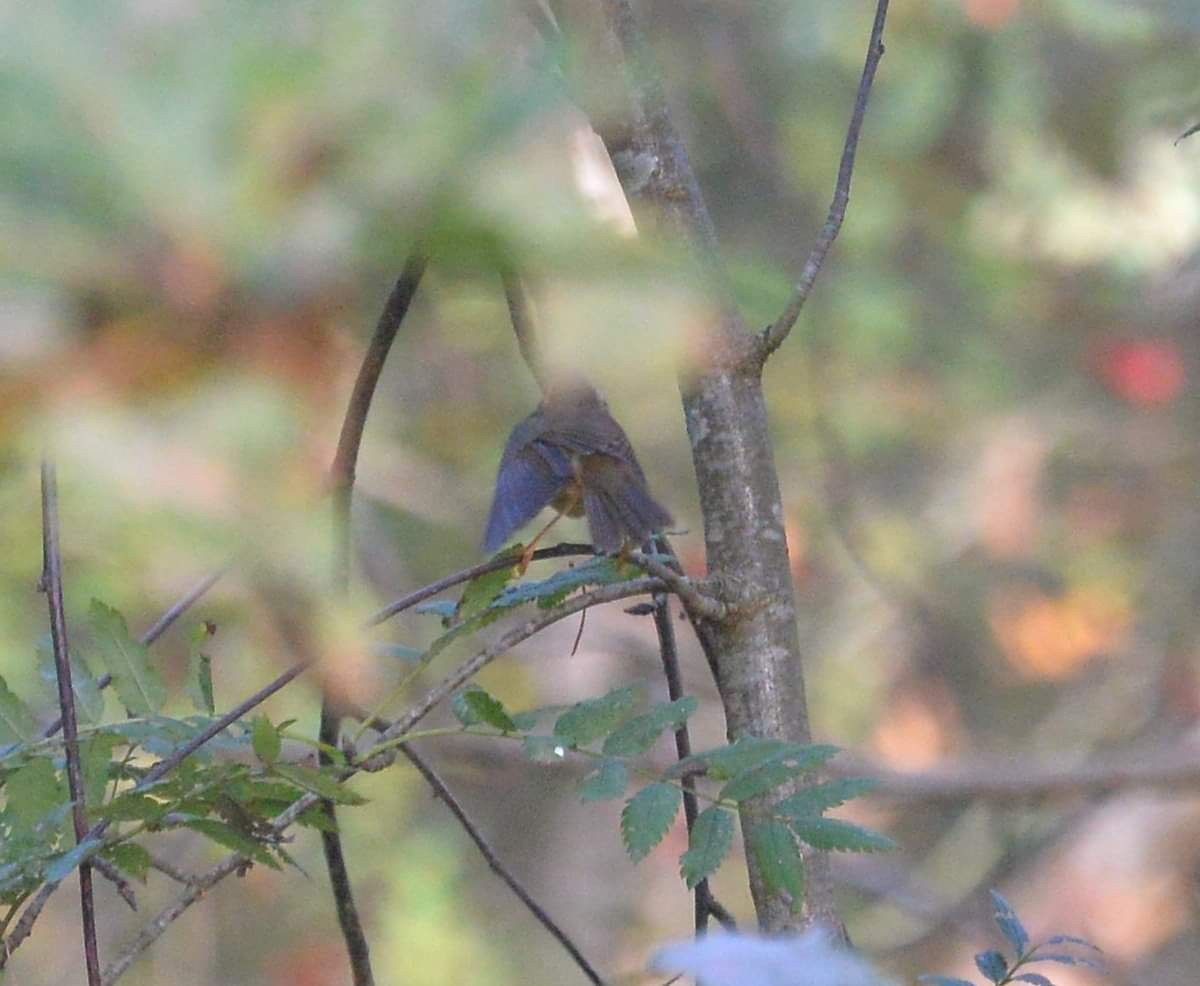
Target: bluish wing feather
{"points": [[530, 476]]}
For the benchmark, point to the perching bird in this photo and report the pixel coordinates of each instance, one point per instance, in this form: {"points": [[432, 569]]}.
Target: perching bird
{"points": [[571, 455]]}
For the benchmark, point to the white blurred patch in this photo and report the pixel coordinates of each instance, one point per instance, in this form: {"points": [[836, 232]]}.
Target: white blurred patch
{"points": [[810, 959], [598, 184]]}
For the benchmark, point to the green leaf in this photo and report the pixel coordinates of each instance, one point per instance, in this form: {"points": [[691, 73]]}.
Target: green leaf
{"points": [[316, 818], [133, 806], [778, 857], [397, 652], [712, 834], [1008, 922], [95, 758], [549, 592], [266, 740], [609, 780], [444, 608], [992, 964], [640, 733], [318, 783], [818, 798], [16, 721], [835, 835], [473, 705], [129, 858], [760, 780], [587, 721], [543, 749], [89, 702], [33, 793], [749, 752], [139, 685], [647, 818], [482, 590], [64, 864], [231, 838], [199, 678]]}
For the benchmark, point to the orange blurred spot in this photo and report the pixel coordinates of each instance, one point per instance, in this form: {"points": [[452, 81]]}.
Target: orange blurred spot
{"points": [[1053, 636], [918, 728], [991, 14]]}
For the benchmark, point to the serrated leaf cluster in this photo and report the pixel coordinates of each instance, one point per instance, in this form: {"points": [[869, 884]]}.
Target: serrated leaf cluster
{"points": [[1000, 970], [614, 731], [229, 802]]}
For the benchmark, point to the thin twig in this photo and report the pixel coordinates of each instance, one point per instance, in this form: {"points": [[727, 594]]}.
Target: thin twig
{"points": [[524, 328], [669, 652], [114, 876], [51, 584], [161, 625], [169, 914], [497, 865], [472, 666], [465, 575], [342, 473], [773, 337], [171, 870], [698, 604], [24, 926]]}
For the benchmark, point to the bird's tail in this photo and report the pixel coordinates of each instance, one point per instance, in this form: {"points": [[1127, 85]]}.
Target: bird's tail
{"points": [[619, 507]]}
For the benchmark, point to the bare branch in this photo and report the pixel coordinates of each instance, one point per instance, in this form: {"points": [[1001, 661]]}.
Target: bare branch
{"points": [[773, 337], [342, 474], [471, 667], [114, 876], [1015, 780], [51, 584], [524, 326], [497, 865], [698, 604], [457, 578], [24, 926], [345, 460]]}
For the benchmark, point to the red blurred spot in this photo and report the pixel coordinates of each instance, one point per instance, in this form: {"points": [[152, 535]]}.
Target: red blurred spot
{"points": [[1148, 372], [991, 14]]}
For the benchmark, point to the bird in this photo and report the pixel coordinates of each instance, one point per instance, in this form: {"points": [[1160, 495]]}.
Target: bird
{"points": [[570, 454]]}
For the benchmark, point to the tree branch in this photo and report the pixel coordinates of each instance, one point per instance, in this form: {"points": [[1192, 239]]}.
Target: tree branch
{"points": [[342, 473], [457, 578], [1012, 779], [773, 337], [51, 584], [497, 865], [524, 326], [757, 655], [472, 666]]}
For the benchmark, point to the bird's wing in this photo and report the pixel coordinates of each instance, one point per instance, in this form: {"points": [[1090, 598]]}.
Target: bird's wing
{"points": [[531, 474]]}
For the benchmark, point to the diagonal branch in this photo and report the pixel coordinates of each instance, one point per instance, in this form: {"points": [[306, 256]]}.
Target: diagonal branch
{"points": [[773, 337], [497, 864], [51, 584], [458, 578], [524, 325], [342, 473]]}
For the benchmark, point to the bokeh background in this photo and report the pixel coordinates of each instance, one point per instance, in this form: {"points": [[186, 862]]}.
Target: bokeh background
{"points": [[985, 427]]}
